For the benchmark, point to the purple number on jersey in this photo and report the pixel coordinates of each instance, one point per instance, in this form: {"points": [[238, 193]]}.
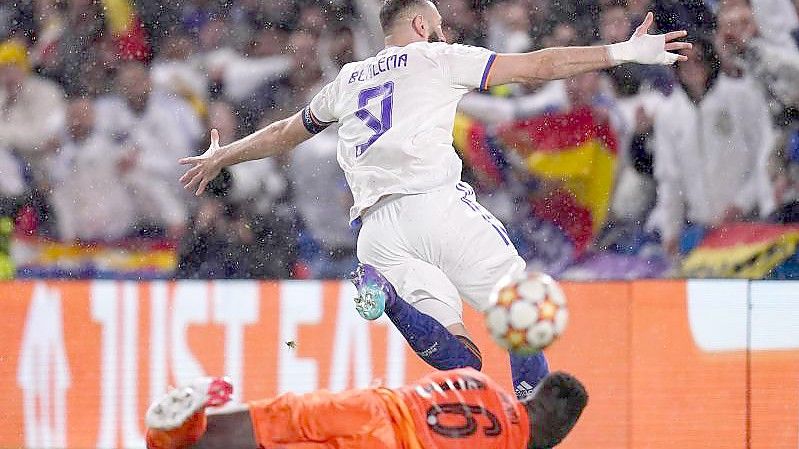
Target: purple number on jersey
{"points": [[381, 125]]}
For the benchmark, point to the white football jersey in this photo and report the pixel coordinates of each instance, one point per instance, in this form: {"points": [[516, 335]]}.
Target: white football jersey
{"points": [[396, 111]]}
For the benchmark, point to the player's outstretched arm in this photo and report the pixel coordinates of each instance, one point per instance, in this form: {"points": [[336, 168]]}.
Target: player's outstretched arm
{"points": [[277, 138], [563, 62]]}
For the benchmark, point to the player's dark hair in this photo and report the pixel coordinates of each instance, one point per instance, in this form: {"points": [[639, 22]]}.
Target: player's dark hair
{"points": [[554, 409], [391, 9]]}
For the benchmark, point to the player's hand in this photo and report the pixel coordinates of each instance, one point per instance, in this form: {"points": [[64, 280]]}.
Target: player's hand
{"points": [[647, 48], [204, 168]]}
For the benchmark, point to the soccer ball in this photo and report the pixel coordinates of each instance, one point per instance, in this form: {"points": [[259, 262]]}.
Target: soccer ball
{"points": [[527, 313]]}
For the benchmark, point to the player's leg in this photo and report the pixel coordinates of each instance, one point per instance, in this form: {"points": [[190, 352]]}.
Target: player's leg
{"points": [[527, 371], [433, 328], [477, 254], [416, 295]]}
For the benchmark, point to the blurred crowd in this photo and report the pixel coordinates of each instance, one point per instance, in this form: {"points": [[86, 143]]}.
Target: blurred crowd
{"points": [[99, 99]]}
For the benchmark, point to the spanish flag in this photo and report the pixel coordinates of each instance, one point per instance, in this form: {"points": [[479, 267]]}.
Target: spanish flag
{"points": [[574, 157], [124, 24], [742, 250], [471, 141]]}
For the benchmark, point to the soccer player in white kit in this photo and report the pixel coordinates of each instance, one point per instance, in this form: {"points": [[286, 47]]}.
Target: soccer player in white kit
{"points": [[425, 242]]}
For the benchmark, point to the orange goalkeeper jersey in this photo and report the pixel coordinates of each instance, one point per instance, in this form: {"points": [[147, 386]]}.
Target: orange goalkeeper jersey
{"points": [[463, 409]]}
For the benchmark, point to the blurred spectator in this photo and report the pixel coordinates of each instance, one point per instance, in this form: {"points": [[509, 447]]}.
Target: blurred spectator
{"points": [[638, 9], [277, 99], [323, 200], [260, 190], [784, 172], [563, 34], [9, 18], [495, 110], [212, 248], [87, 184], [336, 49], [311, 19], [369, 35], [139, 110], [616, 26], [98, 73], [69, 39], [712, 140], [50, 17], [111, 170], [592, 89], [508, 27], [260, 14], [238, 76], [156, 130], [238, 230], [31, 107], [777, 21], [214, 36], [547, 214], [527, 101], [461, 22], [614, 23], [12, 183], [639, 90], [159, 19], [745, 51], [584, 15], [258, 184], [695, 16], [173, 71], [552, 96], [634, 193], [774, 65]]}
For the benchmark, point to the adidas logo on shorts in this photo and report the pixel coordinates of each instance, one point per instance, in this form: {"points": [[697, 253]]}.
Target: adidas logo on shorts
{"points": [[429, 350], [524, 390]]}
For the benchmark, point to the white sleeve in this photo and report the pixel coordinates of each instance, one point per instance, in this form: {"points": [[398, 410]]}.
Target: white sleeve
{"points": [[320, 112], [759, 138], [489, 109], [11, 183], [466, 66], [669, 212]]}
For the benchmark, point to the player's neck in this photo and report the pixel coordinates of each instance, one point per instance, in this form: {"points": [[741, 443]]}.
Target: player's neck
{"points": [[401, 40]]}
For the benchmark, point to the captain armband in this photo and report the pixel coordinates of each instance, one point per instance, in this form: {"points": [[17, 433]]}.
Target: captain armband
{"points": [[313, 124]]}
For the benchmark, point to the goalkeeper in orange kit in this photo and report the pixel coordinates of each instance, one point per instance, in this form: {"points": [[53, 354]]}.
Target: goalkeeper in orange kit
{"points": [[445, 410]]}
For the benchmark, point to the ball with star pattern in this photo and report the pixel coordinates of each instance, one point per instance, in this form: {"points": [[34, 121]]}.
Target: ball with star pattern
{"points": [[527, 313]]}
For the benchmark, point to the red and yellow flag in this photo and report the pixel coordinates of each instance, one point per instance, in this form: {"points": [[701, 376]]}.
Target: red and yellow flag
{"points": [[574, 156], [742, 250], [129, 34], [471, 141]]}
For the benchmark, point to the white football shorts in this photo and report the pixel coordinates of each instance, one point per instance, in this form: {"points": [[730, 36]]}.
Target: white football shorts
{"points": [[438, 247]]}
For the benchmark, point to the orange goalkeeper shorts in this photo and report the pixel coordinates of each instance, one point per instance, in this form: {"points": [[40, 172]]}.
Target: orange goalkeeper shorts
{"points": [[355, 419]]}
